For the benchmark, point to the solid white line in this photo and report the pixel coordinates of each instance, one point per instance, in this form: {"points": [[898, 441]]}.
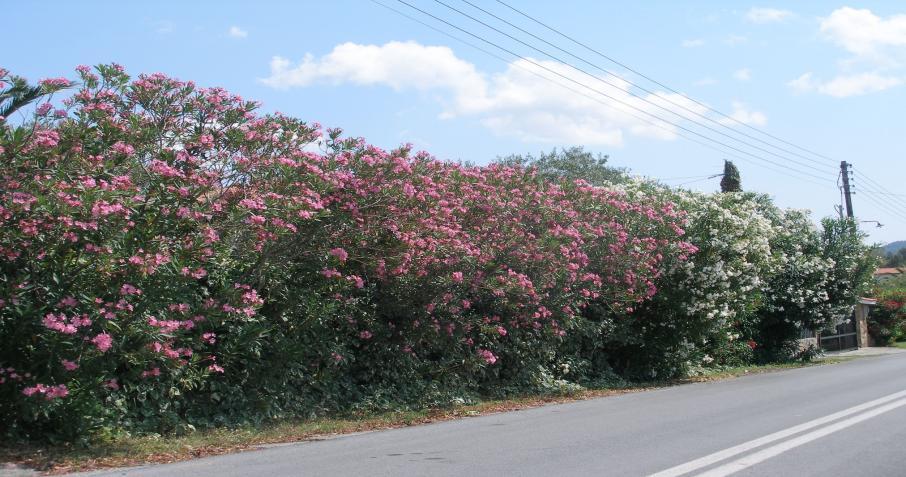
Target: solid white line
{"points": [[775, 450], [747, 446]]}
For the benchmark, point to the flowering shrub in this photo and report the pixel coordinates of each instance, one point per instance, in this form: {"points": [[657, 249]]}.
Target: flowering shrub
{"points": [[758, 277], [698, 316], [818, 278], [171, 258], [887, 321]]}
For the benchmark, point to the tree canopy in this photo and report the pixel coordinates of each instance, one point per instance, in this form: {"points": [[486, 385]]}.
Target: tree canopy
{"points": [[731, 181]]}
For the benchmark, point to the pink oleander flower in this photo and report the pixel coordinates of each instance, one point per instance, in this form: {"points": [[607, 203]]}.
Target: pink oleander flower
{"points": [[49, 392], [69, 365], [256, 220], [365, 335], [128, 289], [64, 324], [103, 342], [164, 169], [112, 384], [55, 82], [206, 140], [487, 356], [151, 373], [340, 254], [457, 277], [357, 280], [250, 297], [215, 368], [123, 148], [45, 138]]}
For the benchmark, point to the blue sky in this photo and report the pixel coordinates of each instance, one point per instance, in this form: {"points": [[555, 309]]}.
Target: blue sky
{"points": [[825, 76]]}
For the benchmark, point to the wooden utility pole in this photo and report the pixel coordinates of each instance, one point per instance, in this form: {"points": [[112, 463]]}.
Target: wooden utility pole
{"points": [[847, 194]]}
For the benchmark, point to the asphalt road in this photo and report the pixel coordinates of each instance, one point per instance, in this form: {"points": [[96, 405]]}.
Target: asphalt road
{"points": [[836, 420]]}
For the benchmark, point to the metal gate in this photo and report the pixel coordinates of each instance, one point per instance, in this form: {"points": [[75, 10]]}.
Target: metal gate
{"points": [[842, 337]]}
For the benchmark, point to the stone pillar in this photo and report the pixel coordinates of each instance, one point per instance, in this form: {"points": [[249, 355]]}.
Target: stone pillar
{"points": [[862, 338]]}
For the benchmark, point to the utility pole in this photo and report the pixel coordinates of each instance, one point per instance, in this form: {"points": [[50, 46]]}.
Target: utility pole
{"points": [[847, 194]]}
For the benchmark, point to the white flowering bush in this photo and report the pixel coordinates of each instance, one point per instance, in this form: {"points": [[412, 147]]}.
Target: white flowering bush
{"points": [[758, 276], [700, 314], [819, 275]]}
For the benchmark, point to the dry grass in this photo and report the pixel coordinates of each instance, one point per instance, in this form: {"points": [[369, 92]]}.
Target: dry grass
{"points": [[129, 451]]}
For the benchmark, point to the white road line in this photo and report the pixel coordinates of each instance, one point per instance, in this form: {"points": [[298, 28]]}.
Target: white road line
{"points": [[777, 449], [747, 446]]}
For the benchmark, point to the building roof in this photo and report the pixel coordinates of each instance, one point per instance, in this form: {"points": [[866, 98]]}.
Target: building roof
{"points": [[888, 271]]}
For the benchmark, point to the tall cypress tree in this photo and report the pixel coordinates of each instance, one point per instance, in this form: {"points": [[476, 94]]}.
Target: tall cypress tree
{"points": [[731, 181]]}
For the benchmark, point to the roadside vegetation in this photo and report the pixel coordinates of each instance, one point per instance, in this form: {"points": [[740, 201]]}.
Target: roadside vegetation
{"points": [[124, 450], [174, 263], [887, 320]]}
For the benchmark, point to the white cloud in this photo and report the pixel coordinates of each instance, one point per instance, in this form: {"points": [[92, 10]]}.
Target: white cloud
{"points": [[237, 32], [876, 44], [743, 74], [803, 83], [845, 85], [863, 33], [742, 114], [396, 64], [859, 84], [693, 43], [767, 15], [706, 81], [514, 102]]}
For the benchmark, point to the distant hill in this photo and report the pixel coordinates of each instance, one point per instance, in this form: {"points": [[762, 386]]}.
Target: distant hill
{"points": [[894, 247]]}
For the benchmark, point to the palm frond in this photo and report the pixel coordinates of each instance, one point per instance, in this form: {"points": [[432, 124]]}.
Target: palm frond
{"points": [[18, 95]]}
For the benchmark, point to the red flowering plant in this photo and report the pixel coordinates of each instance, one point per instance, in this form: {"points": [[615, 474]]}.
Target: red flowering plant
{"points": [[887, 320]]}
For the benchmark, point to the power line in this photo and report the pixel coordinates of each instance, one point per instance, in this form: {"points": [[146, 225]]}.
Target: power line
{"points": [[885, 207], [662, 85], [646, 90], [790, 169], [867, 192], [695, 181], [887, 194], [879, 199], [882, 203], [598, 100], [652, 80], [881, 188], [627, 91], [655, 124], [438, 30], [684, 177], [885, 200]]}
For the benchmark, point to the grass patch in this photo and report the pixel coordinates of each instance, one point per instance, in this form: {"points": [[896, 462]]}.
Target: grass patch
{"points": [[900, 344], [128, 450]]}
